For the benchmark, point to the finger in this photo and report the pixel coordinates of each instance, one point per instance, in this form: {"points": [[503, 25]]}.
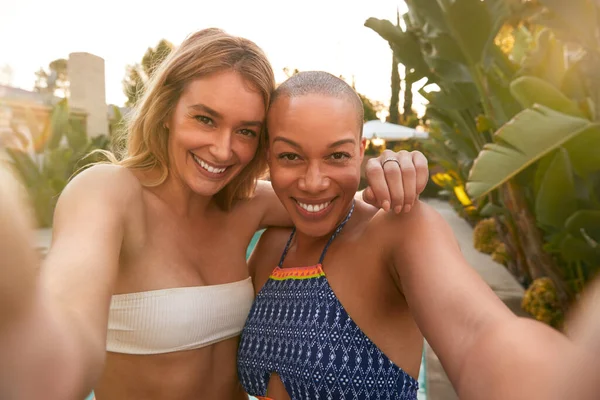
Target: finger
{"points": [[393, 177], [377, 183], [409, 180], [422, 169], [369, 197]]}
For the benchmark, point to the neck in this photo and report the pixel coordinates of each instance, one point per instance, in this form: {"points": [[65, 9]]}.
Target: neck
{"points": [[305, 243], [181, 199]]}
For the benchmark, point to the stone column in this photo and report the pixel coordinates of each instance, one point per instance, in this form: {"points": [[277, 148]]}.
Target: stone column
{"points": [[88, 90]]}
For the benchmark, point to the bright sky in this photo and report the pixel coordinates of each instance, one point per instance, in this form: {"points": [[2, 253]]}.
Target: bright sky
{"points": [[308, 34]]}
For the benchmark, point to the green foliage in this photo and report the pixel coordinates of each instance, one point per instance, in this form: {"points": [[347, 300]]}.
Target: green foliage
{"points": [[485, 237], [53, 79], [138, 74], [370, 108], [45, 169], [541, 301], [500, 255], [519, 123], [513, 151]]}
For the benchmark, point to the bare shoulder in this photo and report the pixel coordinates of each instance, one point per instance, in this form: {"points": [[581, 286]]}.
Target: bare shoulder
{"points": [[266, 254], [107, 180], [423, 224], [262, 193], [102, 191]]}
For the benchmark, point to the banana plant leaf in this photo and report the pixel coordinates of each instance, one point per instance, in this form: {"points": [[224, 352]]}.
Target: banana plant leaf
{"points": [[428, 14], [546, 60], [503, 103], [584, 221], [523, 39], [574, 81], [585, 152], [530, 90], [405, 44], [573, 20], [529, 136], [556, 199], [470, 24], [574, 249], [460, 96]]}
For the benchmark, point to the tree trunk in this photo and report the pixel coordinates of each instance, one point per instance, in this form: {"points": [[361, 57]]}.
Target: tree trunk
{"points": [[408, 95], [394, 117], [528, 237]]}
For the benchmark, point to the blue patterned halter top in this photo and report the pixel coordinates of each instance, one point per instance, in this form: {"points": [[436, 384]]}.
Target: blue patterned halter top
{"points": [[298, 329]]}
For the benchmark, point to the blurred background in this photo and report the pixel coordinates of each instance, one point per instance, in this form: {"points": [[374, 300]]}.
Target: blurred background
{"points": [[502, 96]]}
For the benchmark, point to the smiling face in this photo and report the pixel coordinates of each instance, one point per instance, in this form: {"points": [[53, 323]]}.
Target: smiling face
{"points": [[214, 131], [315, 154]]}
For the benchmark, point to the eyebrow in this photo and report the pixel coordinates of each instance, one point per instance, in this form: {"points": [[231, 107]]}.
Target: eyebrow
{"points": [[296, 145], [215, 114]]}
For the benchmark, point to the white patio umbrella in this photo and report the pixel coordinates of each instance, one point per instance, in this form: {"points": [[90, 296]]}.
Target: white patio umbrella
{"points": [[388, 131]]}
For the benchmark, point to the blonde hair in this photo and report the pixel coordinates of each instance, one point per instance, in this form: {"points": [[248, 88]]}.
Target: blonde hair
{"points": [[201, 54]]}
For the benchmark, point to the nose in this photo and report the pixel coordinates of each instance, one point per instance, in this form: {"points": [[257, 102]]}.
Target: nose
{"points": [[220, 147], [314, 180]]}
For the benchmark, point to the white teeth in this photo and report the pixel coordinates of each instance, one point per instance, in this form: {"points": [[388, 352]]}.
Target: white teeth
{"points": [[313, 208], [208, 167]]}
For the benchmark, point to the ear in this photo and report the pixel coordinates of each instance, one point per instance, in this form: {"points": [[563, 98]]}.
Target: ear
{"points": [[363, 146]]}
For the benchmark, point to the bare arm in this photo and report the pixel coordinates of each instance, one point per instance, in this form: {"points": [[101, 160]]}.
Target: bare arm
{"points": [[31, 341], [71, 298], [271, 210], [17, 285], [265, 256], [485, 349]]}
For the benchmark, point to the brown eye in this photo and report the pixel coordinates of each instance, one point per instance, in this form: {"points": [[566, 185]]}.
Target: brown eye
{"points": [[288, 157], [340, 156], [204, 120], [248, 132]]}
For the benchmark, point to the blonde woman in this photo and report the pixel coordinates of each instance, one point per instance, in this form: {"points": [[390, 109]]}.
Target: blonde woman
{"points": [[153, 247]]}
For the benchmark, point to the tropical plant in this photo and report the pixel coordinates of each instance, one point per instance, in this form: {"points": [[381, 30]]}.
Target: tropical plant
{"points": [[515, 117], [54, 79], [138, 74], [51, 157], [485, 237]]}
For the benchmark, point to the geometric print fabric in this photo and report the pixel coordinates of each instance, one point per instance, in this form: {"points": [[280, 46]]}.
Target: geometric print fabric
{"points": [[298, 329]]}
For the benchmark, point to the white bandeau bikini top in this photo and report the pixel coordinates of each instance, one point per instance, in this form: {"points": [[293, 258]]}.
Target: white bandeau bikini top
{"points": [[184, 318]]}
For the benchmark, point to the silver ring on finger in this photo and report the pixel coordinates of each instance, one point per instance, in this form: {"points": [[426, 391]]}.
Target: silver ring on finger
{"points": [[394, 159]]}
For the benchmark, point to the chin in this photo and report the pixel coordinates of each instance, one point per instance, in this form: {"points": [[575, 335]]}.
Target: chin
{"points": [[317, 224], [315, 230], [209, 187]]}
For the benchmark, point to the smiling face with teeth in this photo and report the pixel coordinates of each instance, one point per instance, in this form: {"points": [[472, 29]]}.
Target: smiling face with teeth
{"points": [[314, 155], [214, 131]]}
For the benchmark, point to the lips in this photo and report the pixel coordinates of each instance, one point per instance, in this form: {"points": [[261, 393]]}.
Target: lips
{"points": [[314, 209], [211, 169]]}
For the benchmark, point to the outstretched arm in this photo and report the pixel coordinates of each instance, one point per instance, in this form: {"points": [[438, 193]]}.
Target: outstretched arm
{"points": [[52, 345], [485, 349], [33, 348]]}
